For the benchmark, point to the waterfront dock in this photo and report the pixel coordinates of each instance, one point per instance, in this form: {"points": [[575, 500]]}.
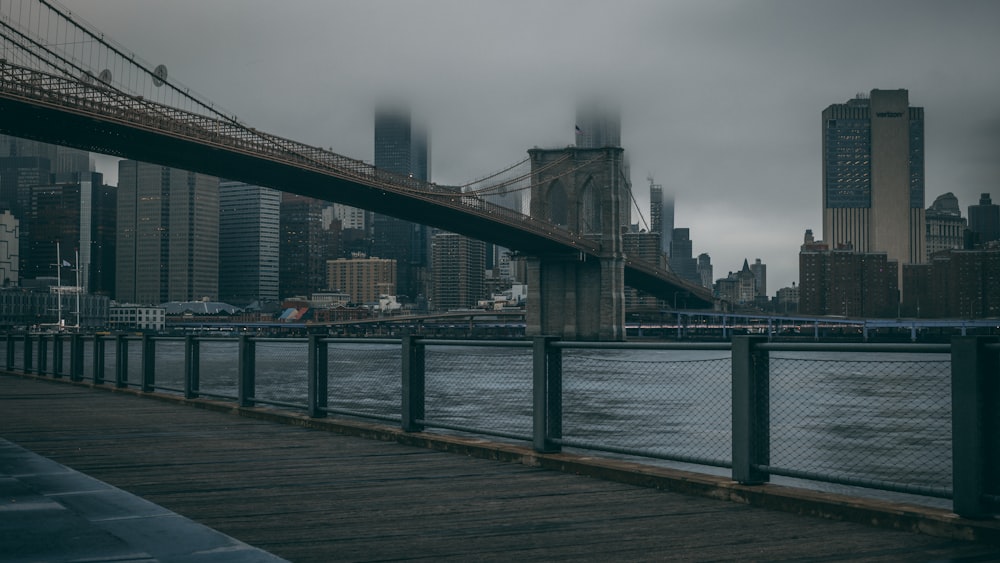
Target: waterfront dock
{"points": [[304, 494]]}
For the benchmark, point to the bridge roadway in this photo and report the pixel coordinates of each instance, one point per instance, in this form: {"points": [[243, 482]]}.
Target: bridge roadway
{"points": [[309, 495], [91, 117]]}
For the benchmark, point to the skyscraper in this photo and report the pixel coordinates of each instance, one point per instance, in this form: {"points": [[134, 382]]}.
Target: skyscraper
{"points": [[759, 270], [598, 124], [305, 245], [78, 214], [985, 219], [873, 176], [402, 149], [168, 234], [681, 261], [249, 235], [666, 220], [25, 163]]}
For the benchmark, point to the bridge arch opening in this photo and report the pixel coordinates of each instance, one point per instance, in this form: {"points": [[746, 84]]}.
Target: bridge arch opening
{"points": [[590, 208], [558, 204]]}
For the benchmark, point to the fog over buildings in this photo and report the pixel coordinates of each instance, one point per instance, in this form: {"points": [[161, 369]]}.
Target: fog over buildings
{"points": [[720, 101]]}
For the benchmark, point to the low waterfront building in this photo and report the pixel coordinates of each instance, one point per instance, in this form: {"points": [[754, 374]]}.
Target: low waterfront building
{"points": [[364, 279], [956, 284], [945, 225], [125, 316], [10, 249], [847, 283]]}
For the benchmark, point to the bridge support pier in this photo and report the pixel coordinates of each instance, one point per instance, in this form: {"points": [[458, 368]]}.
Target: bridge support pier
{"points": [[576, 296]]}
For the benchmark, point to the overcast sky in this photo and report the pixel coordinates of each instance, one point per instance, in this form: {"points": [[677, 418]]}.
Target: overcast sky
{"points": [[721, 100]]}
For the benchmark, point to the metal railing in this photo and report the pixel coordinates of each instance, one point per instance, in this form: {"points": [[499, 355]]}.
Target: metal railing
{"points": [[920, 419]]}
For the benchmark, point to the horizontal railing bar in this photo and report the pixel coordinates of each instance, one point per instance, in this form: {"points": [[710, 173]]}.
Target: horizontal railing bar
{"points": [[567, 345], [358, 414], [334, 340], [211, 395], [476, 343], [855, 347], [936, 492], [474, 430], [277, 403], [639, 452]]}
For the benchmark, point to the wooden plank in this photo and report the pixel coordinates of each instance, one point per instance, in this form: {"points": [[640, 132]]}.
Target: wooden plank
{"points": [[309, 495]]}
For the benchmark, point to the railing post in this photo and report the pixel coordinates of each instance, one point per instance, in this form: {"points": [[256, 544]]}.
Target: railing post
{"points": [[10, 353], [76, 357], [318, 377], [121, 361], [43, 354], [26, 358], [57, 355], [148, 363], [975, 426], [98, 360], [192, 367], [547, 394], [750, 410], [247, 371], [413, 384]]}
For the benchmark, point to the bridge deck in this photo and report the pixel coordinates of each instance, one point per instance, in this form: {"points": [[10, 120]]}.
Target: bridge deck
{"points": [[309, 495]]}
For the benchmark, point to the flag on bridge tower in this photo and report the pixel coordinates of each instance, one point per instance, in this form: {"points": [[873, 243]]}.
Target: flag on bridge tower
{"points": [[578, 130], [66, 264]]}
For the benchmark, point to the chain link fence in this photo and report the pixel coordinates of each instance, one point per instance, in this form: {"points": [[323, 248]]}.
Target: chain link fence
{"points": [[479, 389], [364, 380], [879, 419], [218, 368], [664, 404]]}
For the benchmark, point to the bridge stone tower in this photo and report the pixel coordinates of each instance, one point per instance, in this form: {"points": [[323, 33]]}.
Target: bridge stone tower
{"points": [[570, 295]]}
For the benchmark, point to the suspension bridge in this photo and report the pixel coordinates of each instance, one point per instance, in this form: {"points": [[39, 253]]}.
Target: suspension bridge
{"points": [[63, 82]]}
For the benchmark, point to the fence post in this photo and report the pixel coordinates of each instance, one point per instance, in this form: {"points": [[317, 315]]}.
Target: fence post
{"points": [[975, 425], [27, 354], [547, 394], [42, 364], [121, 361], [148, 363], [413, 384], [751, 410], [76, 357], [192, 366], [57, 355], [247, 371], [10, 353], [98, 360], [318, 376]]}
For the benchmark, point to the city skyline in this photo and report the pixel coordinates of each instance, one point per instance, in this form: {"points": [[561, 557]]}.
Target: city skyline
{"points": [[720, 102]]}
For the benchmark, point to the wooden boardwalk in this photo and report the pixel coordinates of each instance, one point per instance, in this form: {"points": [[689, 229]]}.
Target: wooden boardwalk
{"points": [[310, 495]]}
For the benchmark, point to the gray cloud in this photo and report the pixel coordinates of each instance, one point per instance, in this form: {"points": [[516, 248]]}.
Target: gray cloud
{"points": [[721, 100]]}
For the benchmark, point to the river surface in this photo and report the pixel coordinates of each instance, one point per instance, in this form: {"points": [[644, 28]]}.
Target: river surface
{"points": [[878, 417]]}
